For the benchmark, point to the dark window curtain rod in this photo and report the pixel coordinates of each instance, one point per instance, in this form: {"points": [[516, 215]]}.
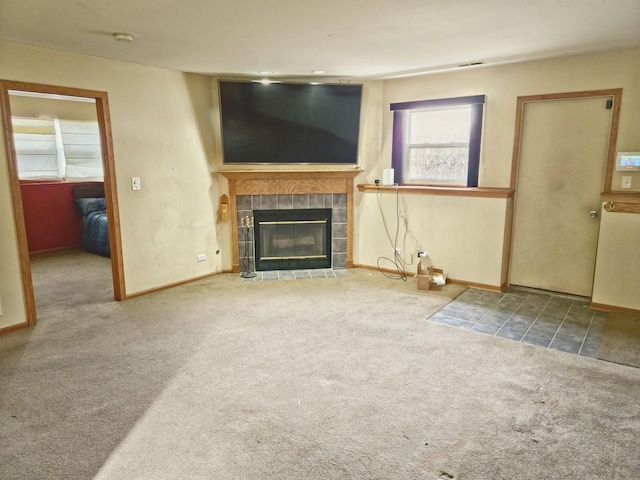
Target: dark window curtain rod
{"points": [[441, 102]]}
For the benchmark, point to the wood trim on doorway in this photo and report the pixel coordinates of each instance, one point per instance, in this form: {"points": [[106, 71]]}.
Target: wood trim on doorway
{"points": [[616, 93], [18, 212], [104, 122]]}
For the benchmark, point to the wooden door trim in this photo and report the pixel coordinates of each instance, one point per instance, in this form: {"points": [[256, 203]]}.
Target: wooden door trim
{"points": [[18, 211], [111, 196], [616, 93]]}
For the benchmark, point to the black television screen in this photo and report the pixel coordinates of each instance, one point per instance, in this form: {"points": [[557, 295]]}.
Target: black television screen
{"points": [[289, 122]]}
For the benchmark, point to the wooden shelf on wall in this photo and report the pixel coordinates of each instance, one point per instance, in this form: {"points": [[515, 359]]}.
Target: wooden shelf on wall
{"points": [[486, 192]]}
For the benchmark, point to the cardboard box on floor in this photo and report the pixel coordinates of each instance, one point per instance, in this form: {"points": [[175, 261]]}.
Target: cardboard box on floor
{"points": [[426, 274]]}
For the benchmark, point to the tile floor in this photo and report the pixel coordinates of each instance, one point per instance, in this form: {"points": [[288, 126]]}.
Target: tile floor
{"points": [[538, 318], [296, 274]]}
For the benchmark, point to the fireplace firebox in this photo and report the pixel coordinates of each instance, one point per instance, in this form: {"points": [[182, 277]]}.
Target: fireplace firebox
{"points": [[294, 239]]}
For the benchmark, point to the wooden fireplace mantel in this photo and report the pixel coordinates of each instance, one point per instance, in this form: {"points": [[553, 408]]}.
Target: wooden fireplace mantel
{"points": [[279, 182], [273, 182]]}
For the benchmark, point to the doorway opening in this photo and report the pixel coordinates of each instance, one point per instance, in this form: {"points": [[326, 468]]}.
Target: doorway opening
{"points": [[9, 91]]}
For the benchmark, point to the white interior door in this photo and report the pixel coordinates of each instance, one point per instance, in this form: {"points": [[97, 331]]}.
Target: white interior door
{"points": [[563, 152]]}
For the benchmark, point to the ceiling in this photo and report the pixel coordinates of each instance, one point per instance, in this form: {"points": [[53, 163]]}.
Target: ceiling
{"points": [[346, 38]]}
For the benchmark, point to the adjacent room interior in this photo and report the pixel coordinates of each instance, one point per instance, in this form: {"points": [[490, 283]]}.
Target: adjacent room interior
{"points": [[255, 246]]}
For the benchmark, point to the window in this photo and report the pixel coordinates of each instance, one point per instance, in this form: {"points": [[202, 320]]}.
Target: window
{"points": [[36, 148], [57, 149], [437, 142]]}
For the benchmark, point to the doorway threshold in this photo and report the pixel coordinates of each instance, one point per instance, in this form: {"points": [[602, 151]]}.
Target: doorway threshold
{"points": [[519, 288]]}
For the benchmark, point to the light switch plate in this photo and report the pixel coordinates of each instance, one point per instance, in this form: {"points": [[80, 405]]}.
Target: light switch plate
{"points": [[135, 183], [626, 182]]}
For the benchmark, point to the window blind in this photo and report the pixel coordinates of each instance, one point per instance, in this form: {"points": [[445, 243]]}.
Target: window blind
{"points": [[57, 149], [36, 150], [82, 150]]}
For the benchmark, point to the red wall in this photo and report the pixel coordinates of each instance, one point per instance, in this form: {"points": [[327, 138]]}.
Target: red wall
{"points": [[50, 215]]}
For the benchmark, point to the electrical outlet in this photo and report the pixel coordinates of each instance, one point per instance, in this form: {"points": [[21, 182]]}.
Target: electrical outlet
{"points": [[422, 254], [397, 251], [202, 257], [626, 182]]}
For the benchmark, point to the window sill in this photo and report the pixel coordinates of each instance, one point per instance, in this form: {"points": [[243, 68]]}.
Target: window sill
{"points": [[486, 192]]}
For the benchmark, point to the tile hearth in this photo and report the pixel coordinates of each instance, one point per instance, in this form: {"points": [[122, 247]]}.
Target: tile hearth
{"points": [[296, 275]]}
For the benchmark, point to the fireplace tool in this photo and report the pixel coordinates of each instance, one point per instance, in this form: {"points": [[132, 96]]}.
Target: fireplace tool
{"points": [[246, 225]]}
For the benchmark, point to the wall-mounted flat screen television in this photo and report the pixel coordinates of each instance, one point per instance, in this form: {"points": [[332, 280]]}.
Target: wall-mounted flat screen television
{"points": [[289, 123]]}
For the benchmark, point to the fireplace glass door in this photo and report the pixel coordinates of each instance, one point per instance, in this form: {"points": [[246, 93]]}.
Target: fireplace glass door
{"points": [[292, 239]]}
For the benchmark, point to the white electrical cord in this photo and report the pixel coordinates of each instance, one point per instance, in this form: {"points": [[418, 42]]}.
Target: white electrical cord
{"points": [[397, 260]]}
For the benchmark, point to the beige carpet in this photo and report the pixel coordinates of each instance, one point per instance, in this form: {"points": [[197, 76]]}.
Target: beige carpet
{"points": [[621, 340], [306, 379]]}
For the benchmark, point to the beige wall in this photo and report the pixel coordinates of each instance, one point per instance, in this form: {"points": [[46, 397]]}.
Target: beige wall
{"points": [[465, 236], [162, 133], [462, 235], [503, 84], [617, 280]]}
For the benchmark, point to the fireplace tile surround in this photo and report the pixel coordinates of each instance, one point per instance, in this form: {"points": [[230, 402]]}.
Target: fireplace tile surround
{"points": [[245, 204], [293, 189]]}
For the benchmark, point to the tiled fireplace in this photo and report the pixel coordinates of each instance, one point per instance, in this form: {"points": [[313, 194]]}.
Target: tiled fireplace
{"points": [[301, 257], [252, 192]]}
